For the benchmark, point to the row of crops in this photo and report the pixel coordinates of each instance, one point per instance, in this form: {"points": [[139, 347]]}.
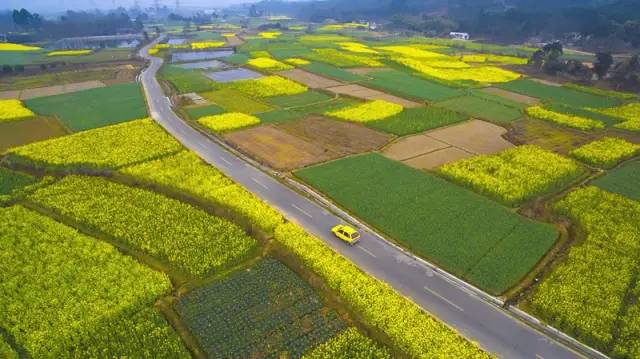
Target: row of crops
{"points": [[108, 286]]}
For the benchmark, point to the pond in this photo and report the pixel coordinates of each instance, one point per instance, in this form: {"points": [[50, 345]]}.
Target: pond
{"points": [[211, 64], [201, 55], [233, 75]]}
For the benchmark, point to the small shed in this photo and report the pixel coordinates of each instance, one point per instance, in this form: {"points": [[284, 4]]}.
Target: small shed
{"points": [[459, 35]]}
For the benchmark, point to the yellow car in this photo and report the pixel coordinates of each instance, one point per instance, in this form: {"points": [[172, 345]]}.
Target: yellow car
{"points": [[346, 233]]}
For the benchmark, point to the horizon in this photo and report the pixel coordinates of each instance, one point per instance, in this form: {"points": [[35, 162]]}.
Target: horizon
{"points": [[46, 7]]}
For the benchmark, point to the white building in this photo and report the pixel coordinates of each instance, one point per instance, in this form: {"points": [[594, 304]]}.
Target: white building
{"points": [[459, 35]]}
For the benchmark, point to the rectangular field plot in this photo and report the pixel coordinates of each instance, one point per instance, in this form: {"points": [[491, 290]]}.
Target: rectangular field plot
{"points": [[202, 111], [194, 244], [402, 84], [414, 120], [235, 101], [624, 180], [332, 72], [200, 55], [233, 75], [81, 294], [464, 233], [18, 133], [303, 99], [558, 94], [186, 81], [93, 108], [211, 64], [309, 79], [483, 109], [260, 312]]}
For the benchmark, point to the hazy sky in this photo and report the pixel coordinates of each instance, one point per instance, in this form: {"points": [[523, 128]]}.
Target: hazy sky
{"points": [[62, 5]]}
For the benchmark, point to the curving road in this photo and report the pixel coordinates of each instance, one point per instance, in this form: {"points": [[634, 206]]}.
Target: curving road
{"points": [[494, 328]]}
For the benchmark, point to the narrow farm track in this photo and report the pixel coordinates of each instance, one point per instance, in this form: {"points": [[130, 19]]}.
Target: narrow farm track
{"points": [[492, 327]]}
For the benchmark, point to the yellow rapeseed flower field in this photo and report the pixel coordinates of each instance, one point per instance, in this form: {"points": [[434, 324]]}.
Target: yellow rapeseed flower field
{"points": [[228, 121], [357, 47], [481, 74], [606, 152], [370, 111], [11, 110], [580, 123], [297, 61], [269, 86], [70, 53], [267, 63], [17, 47], [199, 45], [270, 34], [412, 52]]}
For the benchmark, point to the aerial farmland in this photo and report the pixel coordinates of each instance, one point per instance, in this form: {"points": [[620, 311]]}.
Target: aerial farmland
{"points": [[176, 198]]}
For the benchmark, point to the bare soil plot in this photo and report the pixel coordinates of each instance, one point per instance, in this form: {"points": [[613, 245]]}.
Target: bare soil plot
{"points": [[366, 93], [301, 143], [274, 147], [436, 159], [437, 147], [234, 41], [17, 133], [340, 137], [308, 79], [474, 136], [511, 95], [52, 90], [414, 146], [553, 138]]}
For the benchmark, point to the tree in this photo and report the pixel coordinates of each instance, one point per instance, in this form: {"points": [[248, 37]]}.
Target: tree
{"points": [[603, 63]]}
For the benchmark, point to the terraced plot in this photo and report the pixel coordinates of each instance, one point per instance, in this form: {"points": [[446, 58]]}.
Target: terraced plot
{"points": [[483, 109], [462, 232], [558, 94], [18, 133], [624, 180], [402, 84]]}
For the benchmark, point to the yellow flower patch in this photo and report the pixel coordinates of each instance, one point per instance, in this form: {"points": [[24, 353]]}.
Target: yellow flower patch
{"points": [[342, 59], [580, 123], [270, 34], [297, 61], [70, 53], [337, 27], [324, 38], [627, 112], [228, 35], [606, 152], [206, 44], [482, 74], [267, 63], [17, 47], [269, 86], [153, 51], [12, 110], [228, 121], [412, 52], [514, 175], [260, 53], [370, 111], [357, 47], [631, 125]]}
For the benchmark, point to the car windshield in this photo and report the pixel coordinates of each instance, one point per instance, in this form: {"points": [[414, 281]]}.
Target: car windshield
{"points": [[355, 235]]}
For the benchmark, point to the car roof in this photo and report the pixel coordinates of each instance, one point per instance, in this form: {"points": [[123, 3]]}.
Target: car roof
{"points": [[349, 229]]}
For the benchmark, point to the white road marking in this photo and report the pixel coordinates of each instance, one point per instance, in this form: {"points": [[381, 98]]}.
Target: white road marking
{"points": [[259, 183], [225, 161], [367, 251], [302, 210], [538, 356], [443, 298]]}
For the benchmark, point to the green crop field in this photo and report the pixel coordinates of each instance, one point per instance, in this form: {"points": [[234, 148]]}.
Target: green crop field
{"points": [[464, 233], [186, 81], [558, 94], [331, 71], [267, 309], [93, 108], [58, 78], [196, 112], [235, 101], [303, 99], [402, 84], [624, 180], [414, 120], [280, 116], [11, 181], [482, 108]]}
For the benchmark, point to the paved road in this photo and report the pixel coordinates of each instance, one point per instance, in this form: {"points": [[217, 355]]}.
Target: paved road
{"points": [[487, 324]]}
